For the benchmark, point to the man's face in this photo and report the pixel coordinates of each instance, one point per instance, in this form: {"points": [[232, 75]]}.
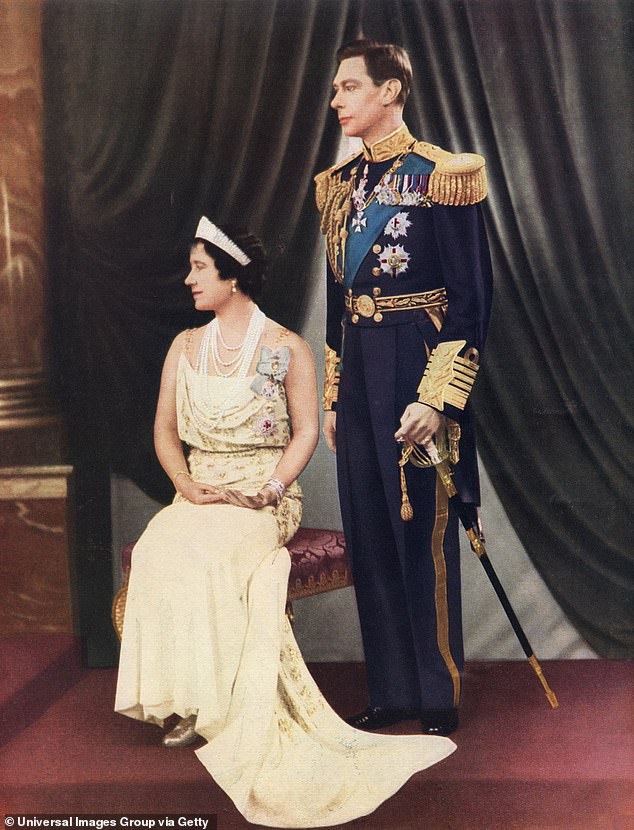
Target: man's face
{"points": [[358, 102]]}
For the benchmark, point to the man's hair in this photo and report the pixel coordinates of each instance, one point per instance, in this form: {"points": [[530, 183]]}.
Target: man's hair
{"points": [[382, 62]]}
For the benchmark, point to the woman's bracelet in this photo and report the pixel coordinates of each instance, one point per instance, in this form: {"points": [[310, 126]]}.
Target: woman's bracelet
{"points": [[185, 473], [278, 487]]}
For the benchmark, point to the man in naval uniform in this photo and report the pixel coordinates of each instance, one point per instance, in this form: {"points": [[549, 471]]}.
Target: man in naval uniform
{"points": [[408, 297]]}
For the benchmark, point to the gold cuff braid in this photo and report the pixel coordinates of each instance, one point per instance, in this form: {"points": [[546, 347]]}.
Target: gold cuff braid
{"points": [[331, 380], [448, 379]]}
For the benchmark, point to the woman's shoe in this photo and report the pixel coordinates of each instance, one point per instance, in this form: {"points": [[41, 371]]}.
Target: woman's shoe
{"points": [[183, 734]]}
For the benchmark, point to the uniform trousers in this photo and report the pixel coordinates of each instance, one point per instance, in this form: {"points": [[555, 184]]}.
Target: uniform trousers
{"points": [[406, 574]]}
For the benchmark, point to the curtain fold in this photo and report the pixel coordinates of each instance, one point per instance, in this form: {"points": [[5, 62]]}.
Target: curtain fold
{"points": [[543, 89], [158, 113]]}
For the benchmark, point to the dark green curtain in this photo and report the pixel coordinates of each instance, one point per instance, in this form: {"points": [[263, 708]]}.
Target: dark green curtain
{"points": [[543, 88], [156, 113]]}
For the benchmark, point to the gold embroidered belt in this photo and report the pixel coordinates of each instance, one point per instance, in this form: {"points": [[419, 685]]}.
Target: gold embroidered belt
{"points": [[376, 306]]}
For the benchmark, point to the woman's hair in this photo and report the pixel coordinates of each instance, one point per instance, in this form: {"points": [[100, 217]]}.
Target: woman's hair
{"points": [[382, 62], [251, 277]]}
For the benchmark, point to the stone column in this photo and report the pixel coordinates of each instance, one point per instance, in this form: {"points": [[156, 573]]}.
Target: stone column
{"points": [[25, 402], [36, 574]]}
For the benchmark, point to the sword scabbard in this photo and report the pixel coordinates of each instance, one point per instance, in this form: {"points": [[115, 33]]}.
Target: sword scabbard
{"points": [[477, 544], [552, 697]]}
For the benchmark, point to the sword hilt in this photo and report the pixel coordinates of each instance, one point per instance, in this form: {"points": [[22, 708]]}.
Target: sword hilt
{"points": [[442, 467]]}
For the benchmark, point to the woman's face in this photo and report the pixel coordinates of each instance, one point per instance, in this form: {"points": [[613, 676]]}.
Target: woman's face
{"points": [[209, 291]]}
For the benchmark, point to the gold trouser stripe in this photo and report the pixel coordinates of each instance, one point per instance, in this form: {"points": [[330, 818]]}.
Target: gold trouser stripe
{"points": [[442, 609]]}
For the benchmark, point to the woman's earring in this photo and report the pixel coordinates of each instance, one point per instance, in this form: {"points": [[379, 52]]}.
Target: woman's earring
{"points": [[234, 286]]}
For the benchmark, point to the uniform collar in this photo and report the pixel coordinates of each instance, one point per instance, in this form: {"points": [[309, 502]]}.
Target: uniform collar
{"points": [[392, 145]]}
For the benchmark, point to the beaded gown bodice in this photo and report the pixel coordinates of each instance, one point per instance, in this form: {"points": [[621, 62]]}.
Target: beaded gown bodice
{"points": [[238, 428], [220, 414]]}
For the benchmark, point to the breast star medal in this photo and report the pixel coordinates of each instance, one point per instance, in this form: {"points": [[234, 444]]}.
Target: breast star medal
{"points": [[398, 225], [393, 260]]}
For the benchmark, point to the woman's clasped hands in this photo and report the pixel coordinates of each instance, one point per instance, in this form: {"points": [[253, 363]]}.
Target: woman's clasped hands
{"points": [[199, 493]]}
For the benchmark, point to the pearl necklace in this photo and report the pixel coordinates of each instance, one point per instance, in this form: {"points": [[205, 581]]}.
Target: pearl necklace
{"points": [[242, 361], [211, 415], [226, 345]]}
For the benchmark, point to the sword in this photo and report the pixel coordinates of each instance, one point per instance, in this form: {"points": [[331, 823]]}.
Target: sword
{"points": [[469, 519]]}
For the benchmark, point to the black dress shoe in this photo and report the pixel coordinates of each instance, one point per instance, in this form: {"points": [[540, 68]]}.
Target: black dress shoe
{"points": [[376, 717], [439, 721]]}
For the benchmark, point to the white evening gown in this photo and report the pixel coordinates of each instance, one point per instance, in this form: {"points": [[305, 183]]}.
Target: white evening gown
{"points": [[206, 633]]}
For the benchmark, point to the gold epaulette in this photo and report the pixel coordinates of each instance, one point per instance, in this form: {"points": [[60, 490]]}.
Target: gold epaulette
{"points": [[448, 379], [457, 179], [331, 379], [324, 179]]}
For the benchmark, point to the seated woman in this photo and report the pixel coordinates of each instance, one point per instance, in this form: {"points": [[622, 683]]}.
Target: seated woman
{"points": [[205, 633]]}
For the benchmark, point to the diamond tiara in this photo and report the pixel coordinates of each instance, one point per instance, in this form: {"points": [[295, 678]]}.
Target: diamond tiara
{"points": [[212, 233]]}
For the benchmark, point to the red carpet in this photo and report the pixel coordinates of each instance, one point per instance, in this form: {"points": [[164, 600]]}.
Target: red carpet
{"points": [[35, 671], [519, 765]]}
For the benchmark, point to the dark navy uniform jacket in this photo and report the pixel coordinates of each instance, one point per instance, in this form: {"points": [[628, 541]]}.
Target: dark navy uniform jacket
{"points": [[420, 229]]}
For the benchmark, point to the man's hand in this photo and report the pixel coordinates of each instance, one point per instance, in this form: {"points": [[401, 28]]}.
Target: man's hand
{"points": [[419, 423], [330, 429]]}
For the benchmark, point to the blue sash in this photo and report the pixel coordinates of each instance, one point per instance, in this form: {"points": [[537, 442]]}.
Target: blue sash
{"points": [[377, 216]]}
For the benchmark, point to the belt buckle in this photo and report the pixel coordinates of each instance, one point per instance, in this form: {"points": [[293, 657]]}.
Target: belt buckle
{"points": [[365, 305]]}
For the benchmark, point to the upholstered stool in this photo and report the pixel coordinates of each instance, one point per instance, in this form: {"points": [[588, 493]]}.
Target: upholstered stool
{"points": [[319, 563]]}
